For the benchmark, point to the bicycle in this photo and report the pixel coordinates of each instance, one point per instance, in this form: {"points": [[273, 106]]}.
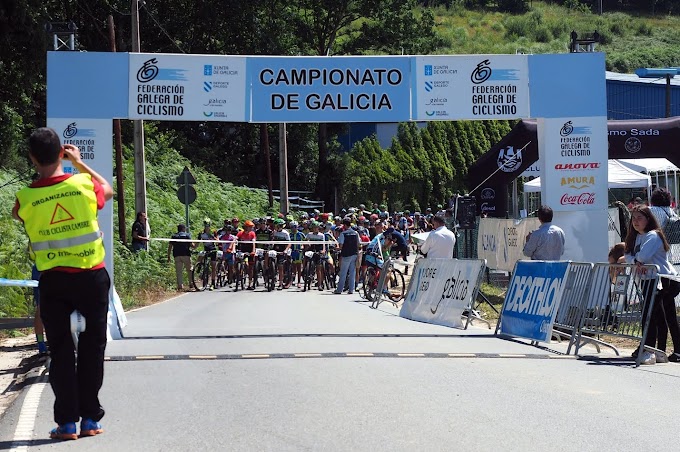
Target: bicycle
{"points": [[240, 271], [392, 285], [270, 272], [200, 273], [309, 269], [287, 269], [221, 270]]}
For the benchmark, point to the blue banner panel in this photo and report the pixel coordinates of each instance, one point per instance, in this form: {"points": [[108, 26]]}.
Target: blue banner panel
{"points": [[563, 85], [532, 299], [337, 89], [87, 85]]}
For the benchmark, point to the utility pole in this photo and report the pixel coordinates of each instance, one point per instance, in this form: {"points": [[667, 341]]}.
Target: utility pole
{"points": [[119, 154], [283, 167], [264, 145], [138, 137]]}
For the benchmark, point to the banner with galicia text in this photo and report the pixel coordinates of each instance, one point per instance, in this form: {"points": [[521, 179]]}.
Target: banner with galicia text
{"points": [[501, 242], [470, 87], [187, 87], [533, 298], [573, 156], [337, 89], [441, 289]]}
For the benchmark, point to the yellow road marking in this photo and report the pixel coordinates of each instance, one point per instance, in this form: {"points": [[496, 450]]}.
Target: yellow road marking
{"points": [[150, 357]]}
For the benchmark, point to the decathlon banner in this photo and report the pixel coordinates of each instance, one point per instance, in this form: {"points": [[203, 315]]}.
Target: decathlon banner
{"points": [[470, 87], [573, 155], [500, 242], [532, 299], [187, 87], [441, 289], [337, 89]]}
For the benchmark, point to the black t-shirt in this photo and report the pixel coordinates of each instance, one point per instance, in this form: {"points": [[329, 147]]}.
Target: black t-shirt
{"points": [[350, 243], [140, 229], [181, 248]]}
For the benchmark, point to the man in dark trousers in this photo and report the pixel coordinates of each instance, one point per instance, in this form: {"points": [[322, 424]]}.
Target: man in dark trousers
{"points": [[349, 249], [59, 212], [181, 251]]}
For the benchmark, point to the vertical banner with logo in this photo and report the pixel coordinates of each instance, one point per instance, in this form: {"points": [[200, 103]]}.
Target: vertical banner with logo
{"points": [[94, 138], [532, 299], [441, 289], [573, 153], [470, 87], [337, 89], [188, 87], [501, 241]]}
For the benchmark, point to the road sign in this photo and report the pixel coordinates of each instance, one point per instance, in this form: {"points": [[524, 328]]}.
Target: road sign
{"points": [[186, 177], [186, 194]]}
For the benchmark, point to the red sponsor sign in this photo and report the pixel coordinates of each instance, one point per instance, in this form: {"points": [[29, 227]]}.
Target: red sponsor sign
{"points": [[577, 166], [581, 199]]}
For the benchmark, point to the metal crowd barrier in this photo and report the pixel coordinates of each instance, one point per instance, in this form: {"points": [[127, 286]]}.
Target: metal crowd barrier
{"points": [[568, 318], [616, 304]]}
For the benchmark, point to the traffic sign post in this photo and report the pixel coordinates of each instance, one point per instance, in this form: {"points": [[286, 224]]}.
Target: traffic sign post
{"points": [[186, 193]]}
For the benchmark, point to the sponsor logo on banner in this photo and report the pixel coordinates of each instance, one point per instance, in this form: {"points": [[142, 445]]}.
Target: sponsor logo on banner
{"points": [[509, 159], [576, 166], [574, 141], [499, 98], [488, 194], [633, 145], [84, 139], [532, 299], [160, 99], [579, 182], [580, 199], [634, 132]]}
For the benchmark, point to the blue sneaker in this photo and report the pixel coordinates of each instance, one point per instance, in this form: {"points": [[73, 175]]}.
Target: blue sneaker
{"points": [[64, 431], [42, 348], [88, 427]]}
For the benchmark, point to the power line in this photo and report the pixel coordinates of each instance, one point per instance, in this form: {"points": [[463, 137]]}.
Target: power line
{"points": [[114, 9], [161, 27]]}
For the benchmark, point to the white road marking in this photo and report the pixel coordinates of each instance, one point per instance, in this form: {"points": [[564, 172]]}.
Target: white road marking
{"points": [[26, 424]]}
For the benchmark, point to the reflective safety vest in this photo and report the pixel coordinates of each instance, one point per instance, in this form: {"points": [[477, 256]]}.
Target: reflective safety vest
{"points": [[61, 223]]}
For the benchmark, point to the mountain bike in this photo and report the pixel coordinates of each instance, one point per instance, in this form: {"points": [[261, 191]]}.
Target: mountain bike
{"points": [[269, 273], [287, 269], [308, 270], [240, 271], [386, 282], [200, 273]]}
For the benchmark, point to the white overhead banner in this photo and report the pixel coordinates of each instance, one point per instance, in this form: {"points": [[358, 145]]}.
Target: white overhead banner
{"points": [[441, 289], [470, 87], [187, 87], [501, 241], [573, 156]]}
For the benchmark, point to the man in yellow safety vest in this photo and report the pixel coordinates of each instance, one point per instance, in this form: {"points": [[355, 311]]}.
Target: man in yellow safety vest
{"points": [[59, 212]]}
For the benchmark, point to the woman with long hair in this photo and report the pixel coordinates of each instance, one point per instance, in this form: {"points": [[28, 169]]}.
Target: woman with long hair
{"points": [[647, 245]]}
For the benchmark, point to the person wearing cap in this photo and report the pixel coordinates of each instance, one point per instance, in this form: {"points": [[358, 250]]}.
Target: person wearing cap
{"points": [[235, 224], [349, 250], [440, 242], [245, 245], [398, 242], [280, 235], [181, 252], [228, 244]]}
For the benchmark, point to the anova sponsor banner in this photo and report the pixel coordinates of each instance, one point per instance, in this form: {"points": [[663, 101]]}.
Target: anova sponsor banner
{"points": [[501, 241], [187, 87], [94, 138], [441, 289], [338, 89], [533, 298], [470, 87], [573, 156]]}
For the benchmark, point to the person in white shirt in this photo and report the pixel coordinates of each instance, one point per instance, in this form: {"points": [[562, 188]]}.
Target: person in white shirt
{"points": [[440, 242]]}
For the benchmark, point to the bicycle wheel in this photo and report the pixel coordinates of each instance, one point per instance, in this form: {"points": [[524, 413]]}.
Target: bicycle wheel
{"points": [[270, 277], [370, 283], [197, 276], [329, 272], [205, 276], [287, 274], [238, 271], [395, 285], [307, 275]]}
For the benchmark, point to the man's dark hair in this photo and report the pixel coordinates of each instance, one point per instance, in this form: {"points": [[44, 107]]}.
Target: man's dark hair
{"points": [[181, 228], [438, 219], [545, 214], [44, 146], [661, 197]]}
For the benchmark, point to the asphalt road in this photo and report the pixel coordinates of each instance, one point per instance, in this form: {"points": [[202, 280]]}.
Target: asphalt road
{"points": [[314, 371]]}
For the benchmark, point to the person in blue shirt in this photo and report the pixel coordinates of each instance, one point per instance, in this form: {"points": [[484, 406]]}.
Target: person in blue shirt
{"points": [[547, 242]]}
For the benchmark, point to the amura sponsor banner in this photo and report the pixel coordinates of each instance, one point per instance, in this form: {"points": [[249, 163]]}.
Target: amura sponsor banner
{"points": [[335, 89], [187, 87], [470, 87], [573, 156], [441, 289], [532, 299], [500, 241]]}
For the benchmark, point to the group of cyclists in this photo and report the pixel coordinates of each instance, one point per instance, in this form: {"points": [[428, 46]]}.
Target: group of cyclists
{"points": [[308, 252]]}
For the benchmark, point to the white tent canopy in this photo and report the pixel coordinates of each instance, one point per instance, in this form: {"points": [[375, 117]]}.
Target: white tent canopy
{"points": [[649, 165], [620, 176]]}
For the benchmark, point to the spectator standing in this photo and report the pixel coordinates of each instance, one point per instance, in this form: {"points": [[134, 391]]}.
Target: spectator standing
{"points": [[440, 242], [181, 252], [661, 207], [72, 277], [140, 239], [349, 249], [547, 242]]}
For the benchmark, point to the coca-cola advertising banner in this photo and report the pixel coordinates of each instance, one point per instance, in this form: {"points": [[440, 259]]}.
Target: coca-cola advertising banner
{"points": [[573, 154]]}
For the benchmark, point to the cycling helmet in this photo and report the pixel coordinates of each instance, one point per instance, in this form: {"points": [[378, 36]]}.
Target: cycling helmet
{"points": [[293, 224], [304, 215], [374, 216], [279, 222], [314, 224], [249, 223], [206, 221], [407, 212], [383, 215], [361, 218], [235, 220]]}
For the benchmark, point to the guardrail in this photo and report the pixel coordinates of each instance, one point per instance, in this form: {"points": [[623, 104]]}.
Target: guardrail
{"points": [[16, 323]]}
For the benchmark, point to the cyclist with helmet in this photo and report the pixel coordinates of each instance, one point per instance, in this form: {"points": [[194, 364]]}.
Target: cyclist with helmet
{"points": [[296, 255], [228, 247], [279, 235], [210, 249], [245, 245], [263, 234], [319, 250]]}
